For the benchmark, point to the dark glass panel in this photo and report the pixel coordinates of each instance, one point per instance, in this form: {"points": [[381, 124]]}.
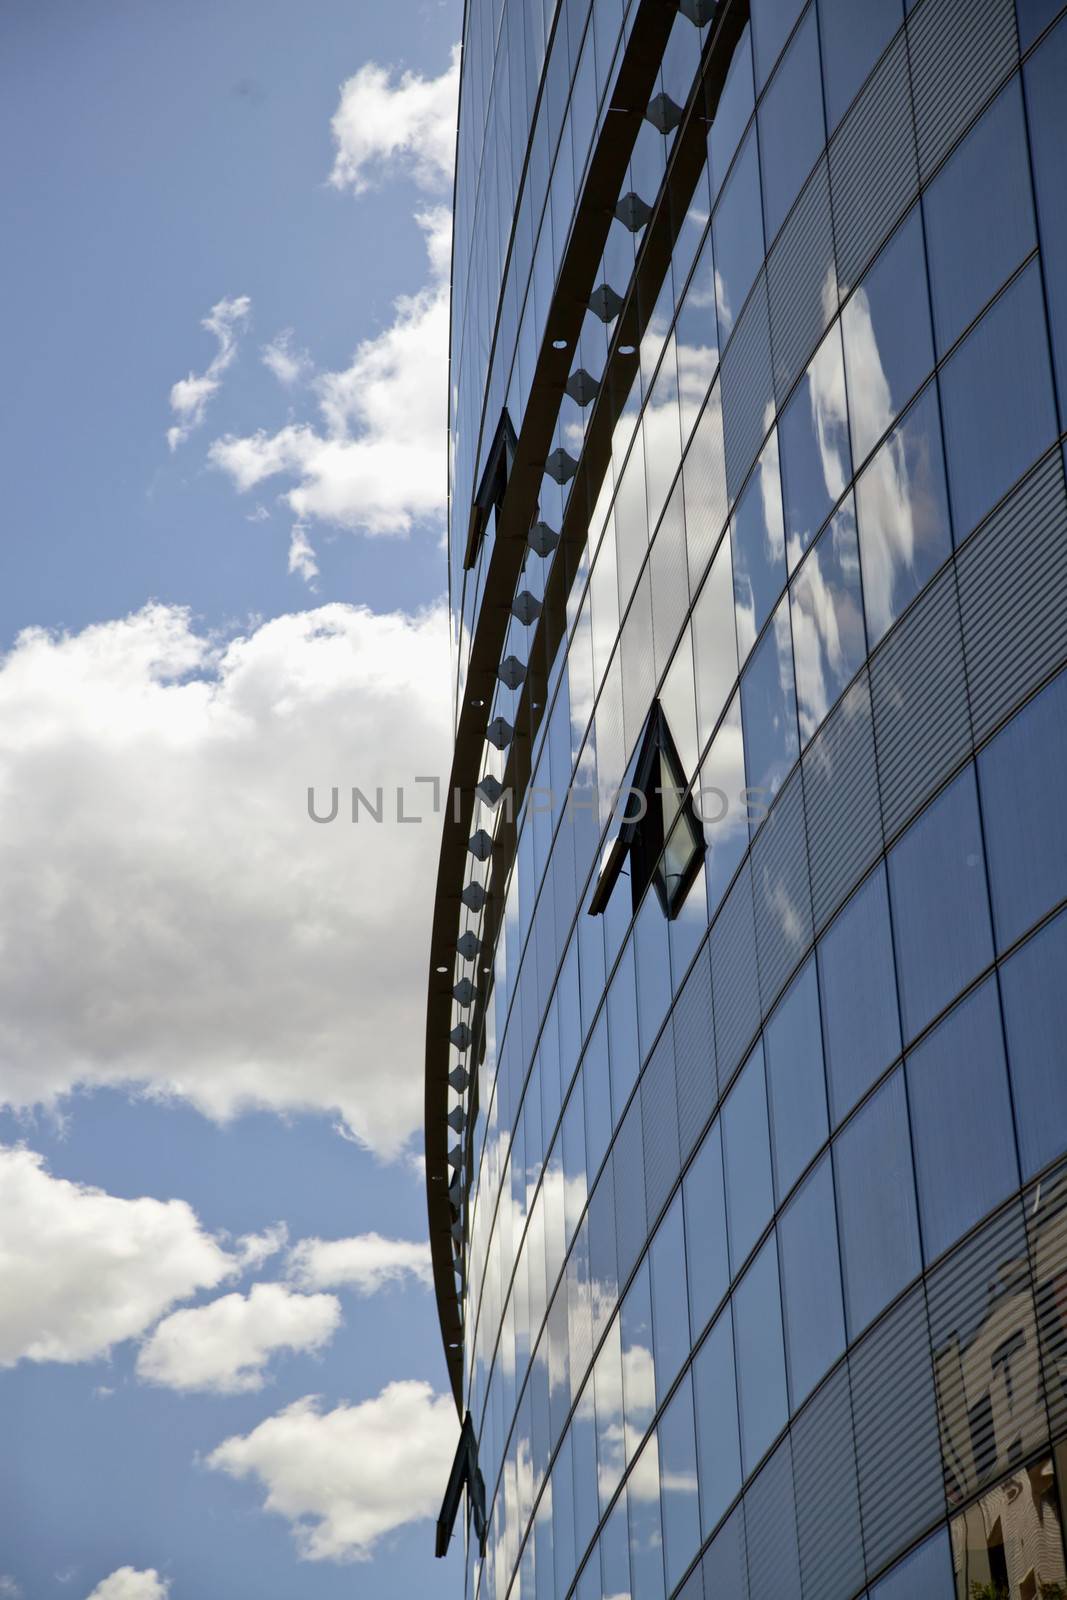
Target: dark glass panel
{"points": [[853, 34], [738, 235], [733, 110], [937, 888], [925, 1574], [791, 128], [678, 1481], [1035, 1016], [1044, 75], [878, 1227], [747, 1158], [861, 1025], [705, 1231], [796, 1089], [771, 22], [718, 1444], [670, 1311], [761, 1386], [811, 1283]]}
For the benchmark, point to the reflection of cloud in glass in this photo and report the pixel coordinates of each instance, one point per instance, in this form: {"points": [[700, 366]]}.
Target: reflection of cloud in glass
{"points": [[828, 640], [726, 315], [829, 412], [869, 390]]}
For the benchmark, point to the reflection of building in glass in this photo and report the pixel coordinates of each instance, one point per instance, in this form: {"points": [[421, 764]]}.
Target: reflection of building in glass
{"points": [[746, 1080]]}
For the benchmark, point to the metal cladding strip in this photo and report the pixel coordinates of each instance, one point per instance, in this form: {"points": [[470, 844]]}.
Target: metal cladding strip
{"points": [[687, 159], [649, 32]]}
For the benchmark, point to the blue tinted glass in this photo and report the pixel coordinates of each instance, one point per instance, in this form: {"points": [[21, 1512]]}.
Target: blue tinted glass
{"points": [[597, 1088], [614, 1553], [622, 1030], [1035, 1018], [829, 642], [813, 440], [747, 1158], [961, 1120], [646, 1530], [889, 348], [857, 980], [638, 1361], [902, 509], [652, 961], [791, 131], [761, 1390], [697, 340], [718, 1445], [876, 1218], [795, 1088], [670, 1315], [771, 22], [979, 216], [733, 110], [721, 803], [997, 395], [678, 1478], [738, 235], [1045, 74], [705, 1231], [853, 34], [937, 889], [926, 1574], [811, 1283], [768, 708], [757, 543], [1022, 775]]}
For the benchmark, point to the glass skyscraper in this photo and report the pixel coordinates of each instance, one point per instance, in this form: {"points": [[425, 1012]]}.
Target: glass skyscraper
{"points": [[746, 1091]]}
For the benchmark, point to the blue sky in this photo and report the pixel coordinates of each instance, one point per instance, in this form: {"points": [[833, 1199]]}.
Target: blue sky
{"points": [[218, 1351]]}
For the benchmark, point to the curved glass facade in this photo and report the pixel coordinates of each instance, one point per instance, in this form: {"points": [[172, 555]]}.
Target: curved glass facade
{"points": [[758, 1190]]}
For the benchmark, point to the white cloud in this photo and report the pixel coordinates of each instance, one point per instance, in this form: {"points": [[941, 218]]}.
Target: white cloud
{"points": [[9, 1589], [255, 1248], [382, 125], [378, 462], [302, 555], [189, 397], [224, 1346], [288, 365], [84, 1270], [366, 1262], [344, 1478], [171, 917], [128, 1584]]}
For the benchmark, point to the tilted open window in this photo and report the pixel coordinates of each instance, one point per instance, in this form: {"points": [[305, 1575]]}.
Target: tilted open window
{"points": [[656, 832], [465, 1474], [491, 490]]}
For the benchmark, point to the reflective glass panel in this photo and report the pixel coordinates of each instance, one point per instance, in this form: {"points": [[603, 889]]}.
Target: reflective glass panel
{"points": [[1009, 1544], [678, 1480], [705, 1231], [638, 1362], [738, 236], [1046, 108], [937, 888], [813, 440], [697, 340], [829, 643], [733, 110], [768, 707], [861, 1025], [853, 34], [714, 643], [646, 1529], [961, 1120], [796, 1089], [902, 510], [996, 391], [791, 130], [1022, 774], [761, 1387], [670, 1314], [721, 803], [757, 542], [718, 1443], [878, 1228], [925, 1574], [1035, 1017], [811, 1282], [889, 348], [747, 1158], [979, 215], [771, 22]]}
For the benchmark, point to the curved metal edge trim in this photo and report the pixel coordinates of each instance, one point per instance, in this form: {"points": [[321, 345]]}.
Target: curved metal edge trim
{"points": [[649, 33]]}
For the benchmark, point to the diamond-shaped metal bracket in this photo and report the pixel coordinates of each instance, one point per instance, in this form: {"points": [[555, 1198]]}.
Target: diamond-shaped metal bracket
{"points": [[474, 897], [542, 539], [561, 466], [511, 672], [526, 608], [468, 944], [480, 845], [490, 789], [582, 387], [500, 734], [455, 1159], [461, 1038], [463, 991], [664, 113], [459, 1078], [457, 1119], [605, 303], [699, 12], [632, 212]]}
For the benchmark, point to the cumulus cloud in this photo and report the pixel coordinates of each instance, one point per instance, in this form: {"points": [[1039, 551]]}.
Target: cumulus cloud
{"points": [[84, 1270], [345, 1478], [289, 366], [189, 397], [171, 917], [128, 1584], [224, 1346], [384, 124], [302, 555], [366, 1262], [377, 460]]}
